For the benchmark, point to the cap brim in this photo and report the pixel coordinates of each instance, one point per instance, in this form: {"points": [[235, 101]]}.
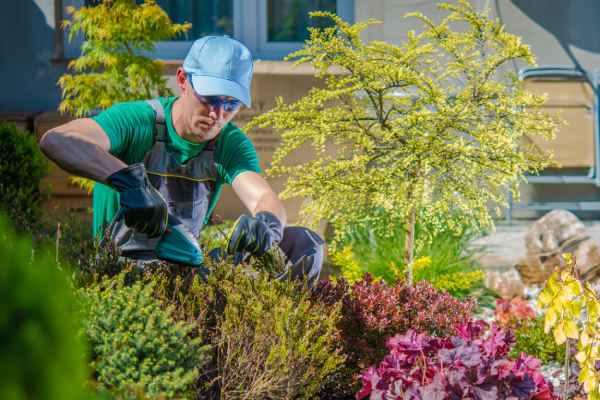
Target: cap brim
{"points": [[212, 86]]}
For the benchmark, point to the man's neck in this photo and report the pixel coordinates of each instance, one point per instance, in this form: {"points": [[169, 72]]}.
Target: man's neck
{"points": [[176, 118]]}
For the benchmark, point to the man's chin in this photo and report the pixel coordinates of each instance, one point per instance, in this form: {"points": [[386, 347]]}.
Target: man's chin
{"points": [[201, 136]]}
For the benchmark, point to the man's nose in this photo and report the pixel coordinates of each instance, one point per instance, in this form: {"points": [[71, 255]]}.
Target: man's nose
{"points": [[217, 110]]}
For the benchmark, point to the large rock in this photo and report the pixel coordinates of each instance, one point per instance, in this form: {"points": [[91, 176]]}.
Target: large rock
{"points": [[556, 233]]}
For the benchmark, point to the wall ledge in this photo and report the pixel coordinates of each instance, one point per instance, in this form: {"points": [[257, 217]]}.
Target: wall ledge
{"points": [[261, 67]]}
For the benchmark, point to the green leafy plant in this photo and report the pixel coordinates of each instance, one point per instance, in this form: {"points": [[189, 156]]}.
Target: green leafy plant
{"points": [[137, 346], [431, 124], [41, 356], [22, 167], [442, 258], [112, 67], [572, 310], [531, 339]]}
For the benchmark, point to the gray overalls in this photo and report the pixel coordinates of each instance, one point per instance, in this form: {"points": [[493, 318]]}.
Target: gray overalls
{"points": [[187, 189]]}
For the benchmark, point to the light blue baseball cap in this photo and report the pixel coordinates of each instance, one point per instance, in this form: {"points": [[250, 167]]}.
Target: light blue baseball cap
{"points": [[220, 66]]}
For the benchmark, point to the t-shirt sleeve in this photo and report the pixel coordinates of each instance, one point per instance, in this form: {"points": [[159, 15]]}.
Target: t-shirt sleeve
{"points": [[236, 154], [129, 127]]}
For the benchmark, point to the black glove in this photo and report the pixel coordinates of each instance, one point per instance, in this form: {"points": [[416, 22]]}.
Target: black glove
{"points": [[142, 205], [255, 235]]}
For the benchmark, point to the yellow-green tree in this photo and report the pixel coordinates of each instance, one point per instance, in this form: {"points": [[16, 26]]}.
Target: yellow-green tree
{"points": [[422, 129], [112, 67]]}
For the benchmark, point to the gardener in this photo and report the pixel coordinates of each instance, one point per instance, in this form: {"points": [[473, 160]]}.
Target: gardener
{"points": [[167, 159]]}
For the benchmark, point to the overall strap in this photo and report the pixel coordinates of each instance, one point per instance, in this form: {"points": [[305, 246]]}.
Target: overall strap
{"points": [[160, 127]]}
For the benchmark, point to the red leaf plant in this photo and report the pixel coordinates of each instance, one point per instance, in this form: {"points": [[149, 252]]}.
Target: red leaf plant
{"points": [[513, 313], [469, 365]]}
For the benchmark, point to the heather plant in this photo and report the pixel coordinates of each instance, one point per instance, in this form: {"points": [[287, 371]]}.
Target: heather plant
{"points": [[271, 341], [112, 67], [469, 365], [432, 124], [138, 348], [41, 355], [372, 311], [22, 167]]}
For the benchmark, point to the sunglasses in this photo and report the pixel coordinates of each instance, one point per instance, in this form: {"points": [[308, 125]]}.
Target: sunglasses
{"points": [[228, 105]]}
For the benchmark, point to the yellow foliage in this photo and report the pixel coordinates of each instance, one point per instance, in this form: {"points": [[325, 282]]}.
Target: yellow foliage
{"points": [[571, 307], [458, 281], [110, 69], [348, 265], [429, 124]]}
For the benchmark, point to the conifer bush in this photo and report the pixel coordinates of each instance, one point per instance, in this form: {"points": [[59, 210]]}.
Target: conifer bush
{"points": [[138, 348], [41, 355], [22, 167]]}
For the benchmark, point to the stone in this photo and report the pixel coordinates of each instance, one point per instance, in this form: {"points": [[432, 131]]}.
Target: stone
{"points": [[557, 233], [506, 283]]}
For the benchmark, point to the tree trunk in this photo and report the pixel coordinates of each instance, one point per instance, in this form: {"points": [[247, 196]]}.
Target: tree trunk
{"points": [[409, 243]]}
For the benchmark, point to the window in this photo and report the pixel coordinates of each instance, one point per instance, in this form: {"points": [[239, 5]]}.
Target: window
{"points": [[287, 20], [206, 16], [271, 29]]}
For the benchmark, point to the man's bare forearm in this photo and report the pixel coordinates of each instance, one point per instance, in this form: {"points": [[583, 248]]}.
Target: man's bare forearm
{"points": [[270, 202], [73, 153]]}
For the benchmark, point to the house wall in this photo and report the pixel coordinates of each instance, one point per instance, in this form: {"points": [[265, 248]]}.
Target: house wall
{"points": [[27, 73]]}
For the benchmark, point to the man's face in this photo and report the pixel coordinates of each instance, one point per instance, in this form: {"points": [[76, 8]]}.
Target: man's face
{"points": [[204, 116]]}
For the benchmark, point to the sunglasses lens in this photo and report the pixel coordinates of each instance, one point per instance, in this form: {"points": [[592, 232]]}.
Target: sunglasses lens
{"points": [[228, 105]]}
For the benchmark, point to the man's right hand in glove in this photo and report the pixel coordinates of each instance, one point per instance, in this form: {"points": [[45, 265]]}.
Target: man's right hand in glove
{"points": [[143, 207]]}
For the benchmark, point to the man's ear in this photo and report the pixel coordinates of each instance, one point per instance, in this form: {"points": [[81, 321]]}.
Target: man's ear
{"points": [[181, 80]]}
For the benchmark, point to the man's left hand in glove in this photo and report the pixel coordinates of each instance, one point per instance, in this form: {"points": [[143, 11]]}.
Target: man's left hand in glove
{"points": [[255, 235]]}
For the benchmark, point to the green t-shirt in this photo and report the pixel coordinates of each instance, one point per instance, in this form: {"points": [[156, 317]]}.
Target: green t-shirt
{"points": [[130, 129]]}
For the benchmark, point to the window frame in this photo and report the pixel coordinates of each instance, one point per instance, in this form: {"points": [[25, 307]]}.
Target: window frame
{"points": [[249, 27]]}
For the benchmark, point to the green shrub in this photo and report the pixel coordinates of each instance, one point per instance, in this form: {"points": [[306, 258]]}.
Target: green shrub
{"points": [[22, 166], [531, 339], [271, 341], [137, 346], [41, 355], [441, 258]]}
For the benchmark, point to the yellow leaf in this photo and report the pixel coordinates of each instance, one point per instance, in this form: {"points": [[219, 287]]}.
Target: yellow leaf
{"points": [[559, 334], [545, 297], [571, 329], [550, 320], [581, 356], [590, 383]]}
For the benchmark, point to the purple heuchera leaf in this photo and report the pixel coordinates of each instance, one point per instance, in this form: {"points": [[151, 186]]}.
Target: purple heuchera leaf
{"points": [[471, 365]]}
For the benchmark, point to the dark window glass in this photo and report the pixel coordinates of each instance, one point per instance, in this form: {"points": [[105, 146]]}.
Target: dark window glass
{"points": [[206, 16], [288, 20]]}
